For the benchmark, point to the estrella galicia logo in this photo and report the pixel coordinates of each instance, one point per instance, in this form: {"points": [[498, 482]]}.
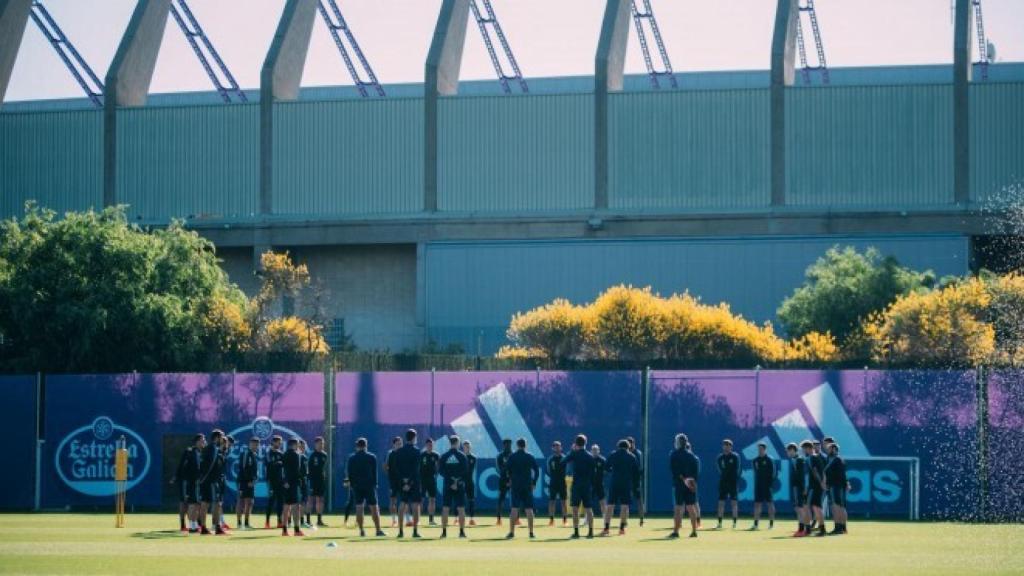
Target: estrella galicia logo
{"points": [[264, 429], [85, 458]]}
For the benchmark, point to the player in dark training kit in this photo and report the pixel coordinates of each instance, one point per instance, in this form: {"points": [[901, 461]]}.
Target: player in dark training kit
{"points": [[467, 450], [227, 446], [685, 467], [291, 464], [556, 483], [504, 483], [317, 481], [836, 481], [523, 475], [765, 472], [816, 488], [428, 477], [624, 470], [179, 481], [209, 482], [728, 481], [582, 495], [394, 486], [410, 496], [298, 513], [638, 488], [600, 498], [275, 479], [189, 475], [454, 475], [798, 489], [361, 473], [248, 475]]}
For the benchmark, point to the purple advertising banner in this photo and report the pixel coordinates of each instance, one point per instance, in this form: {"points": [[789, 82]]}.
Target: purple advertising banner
{"points": [[1005, 446], [909, 438], [157, 414], [18, 413], [484, 408]]}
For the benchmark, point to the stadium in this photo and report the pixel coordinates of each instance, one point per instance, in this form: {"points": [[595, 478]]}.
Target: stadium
{"points": [[436, 211]]}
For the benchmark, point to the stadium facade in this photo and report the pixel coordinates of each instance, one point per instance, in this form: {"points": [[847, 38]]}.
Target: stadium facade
{"points": [[438, 211]]}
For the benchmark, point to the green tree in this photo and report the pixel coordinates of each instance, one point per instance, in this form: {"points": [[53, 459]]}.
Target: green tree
{"points": [[92, 293], [842, 288]]}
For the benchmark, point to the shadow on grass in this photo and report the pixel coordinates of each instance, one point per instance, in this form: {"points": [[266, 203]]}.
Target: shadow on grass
{"points": [[159, 535]]}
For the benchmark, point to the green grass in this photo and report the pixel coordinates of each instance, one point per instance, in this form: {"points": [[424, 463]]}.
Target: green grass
{"points": [[88, 544]]}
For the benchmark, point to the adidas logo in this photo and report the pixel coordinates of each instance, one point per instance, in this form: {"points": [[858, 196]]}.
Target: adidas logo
{"points": [[506, 418]]}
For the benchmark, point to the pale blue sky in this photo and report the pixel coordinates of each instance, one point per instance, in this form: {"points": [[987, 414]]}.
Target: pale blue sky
{"points": [[549, 37]]}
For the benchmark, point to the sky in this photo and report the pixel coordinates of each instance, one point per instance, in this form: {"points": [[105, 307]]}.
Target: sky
{"points": [[549, 38]]}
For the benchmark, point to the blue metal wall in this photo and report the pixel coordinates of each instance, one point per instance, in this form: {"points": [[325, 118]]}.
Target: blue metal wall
{"points": [[516, 154], [997, 140], [473, 289], [348, 157], [54, 158], [869, 146], [689, 150], [194, 161]]}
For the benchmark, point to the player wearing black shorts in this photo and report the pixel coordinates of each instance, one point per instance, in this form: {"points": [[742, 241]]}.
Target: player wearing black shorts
{"points": [[582, 494], [181, 485], [638, 487], [556, 483], [467, 450], [600, 494], [292, 486], [765, 472], [222, 484], [248, 475], [317, 481], [428, 478], [685, 467], [410, 496], [816, 487], [298, 515], [523, 474], [837, 483], [624, 469], [394, 486], [275, 480], [504, 482], [728, 481], [798, 488], [189, 476], [361, 474], [209, 481], [454, 474]]}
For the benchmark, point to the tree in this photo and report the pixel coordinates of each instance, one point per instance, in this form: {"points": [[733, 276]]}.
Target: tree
{"points": [[557, 330], [944, 328], [844, 287], [93, 293], [627, 324]]}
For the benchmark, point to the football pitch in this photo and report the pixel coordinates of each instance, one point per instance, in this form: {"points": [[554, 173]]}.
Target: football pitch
{"points": [[88, 544]]}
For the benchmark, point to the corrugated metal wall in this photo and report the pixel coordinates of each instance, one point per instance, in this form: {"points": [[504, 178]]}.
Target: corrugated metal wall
{"points": [[997, 139], [188, 161], [869, 146], [697, 149], [350, 157], [54, 158], [472, 290], [518, 154]]}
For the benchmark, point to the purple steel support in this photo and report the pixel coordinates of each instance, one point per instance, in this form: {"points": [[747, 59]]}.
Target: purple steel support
{"points": [[337, 26], [647, 15], [487, 20], [79, 68], [224, 83], [812, 15]]}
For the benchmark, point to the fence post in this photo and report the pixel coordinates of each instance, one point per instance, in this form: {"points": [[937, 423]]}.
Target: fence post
{"points": [[38, 502], [981, 393], [645, 429], [330, 417], [433, 371]]}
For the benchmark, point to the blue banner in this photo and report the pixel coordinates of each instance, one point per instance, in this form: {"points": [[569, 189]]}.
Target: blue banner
{"points": [[18, 412]]}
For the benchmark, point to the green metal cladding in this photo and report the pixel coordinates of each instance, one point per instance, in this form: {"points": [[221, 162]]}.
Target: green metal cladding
{"points": [[689, 150], [53, 158], [997, 140], [198, 162], [869, 146]]}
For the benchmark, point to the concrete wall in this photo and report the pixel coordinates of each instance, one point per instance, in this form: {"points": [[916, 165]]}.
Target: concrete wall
{"points": [[373, 288]]}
